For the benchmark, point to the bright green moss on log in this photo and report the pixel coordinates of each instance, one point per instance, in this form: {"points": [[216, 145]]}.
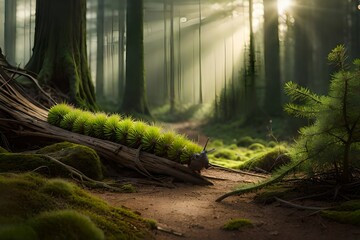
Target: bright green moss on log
{"points": [[126, 131], [38, 208], [80, 157]]}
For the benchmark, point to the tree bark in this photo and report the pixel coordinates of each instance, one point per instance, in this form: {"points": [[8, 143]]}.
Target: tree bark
{"points": [[272, 59], [100, 49], [59, 54], [10, 30], [134, 100]]}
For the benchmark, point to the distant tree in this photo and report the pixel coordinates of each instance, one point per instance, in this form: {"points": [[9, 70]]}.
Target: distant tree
{"points": [[172, 59], [100, 49], [10, 30], [134, 100], [59, 53], [272, 59], [122, 27]]}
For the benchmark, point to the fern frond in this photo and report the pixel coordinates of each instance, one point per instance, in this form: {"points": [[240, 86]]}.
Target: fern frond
{"points": [[298, 93], [276, 177]]}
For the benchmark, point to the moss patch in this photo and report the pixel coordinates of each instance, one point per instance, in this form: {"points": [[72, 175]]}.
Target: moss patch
{"points": [[267, 160], [30, 202], [78, 156], [348, 212], [236, 224], [3, 150]]}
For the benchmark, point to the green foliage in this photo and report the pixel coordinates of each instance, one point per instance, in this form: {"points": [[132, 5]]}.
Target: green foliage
{"points": [[128, 132], [110, 127], [236, 224], [331, 141], [57, 113], [54, 209]]}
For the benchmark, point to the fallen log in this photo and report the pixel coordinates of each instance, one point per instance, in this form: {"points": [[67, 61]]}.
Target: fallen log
{"points": [[21, 116]]}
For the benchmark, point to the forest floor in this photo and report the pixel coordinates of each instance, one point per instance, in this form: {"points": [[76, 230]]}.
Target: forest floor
{"points": [[192, 211]]}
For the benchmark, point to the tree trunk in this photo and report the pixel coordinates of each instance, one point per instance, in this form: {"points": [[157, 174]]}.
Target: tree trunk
{"points": [[10, 30], [200, 57], [272, 59], [135, 93], [59, 54], [122, 21], [100, 49], [172, 59]]}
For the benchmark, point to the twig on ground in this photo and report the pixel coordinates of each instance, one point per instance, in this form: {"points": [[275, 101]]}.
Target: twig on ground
{"points": [[294, 205], [237, 171], [170, 231]]}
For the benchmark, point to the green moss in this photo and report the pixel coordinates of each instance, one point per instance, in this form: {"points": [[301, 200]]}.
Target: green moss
{"points": [[128, 188], [349, 206], [267, 195], [54, 208], [348, 217], [236, 224], [80, 157], [58, 188], [65, 224], [256, 146], [267, 160], [3, 150], [20, 162], [17, 232], [226, 153]]}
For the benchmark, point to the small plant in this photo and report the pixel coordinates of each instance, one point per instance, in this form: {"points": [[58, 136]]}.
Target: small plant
{"points": [[331, 143], [236, 224]]}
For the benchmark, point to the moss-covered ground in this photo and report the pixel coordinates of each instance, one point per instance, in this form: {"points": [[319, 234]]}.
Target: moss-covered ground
{"points": [[41, 208]]}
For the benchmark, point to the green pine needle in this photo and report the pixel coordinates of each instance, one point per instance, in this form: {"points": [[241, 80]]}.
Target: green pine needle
{"points": [[164, 142]]}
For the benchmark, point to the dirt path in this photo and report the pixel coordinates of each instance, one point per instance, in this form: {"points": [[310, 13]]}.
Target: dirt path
{"points": [[192, 211]]}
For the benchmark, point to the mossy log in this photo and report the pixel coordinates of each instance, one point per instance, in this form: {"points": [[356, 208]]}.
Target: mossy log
{"points": [[21, 117]]}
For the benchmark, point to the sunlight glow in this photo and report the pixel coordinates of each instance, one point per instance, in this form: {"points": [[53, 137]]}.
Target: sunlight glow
{"points": [[283, 6]]}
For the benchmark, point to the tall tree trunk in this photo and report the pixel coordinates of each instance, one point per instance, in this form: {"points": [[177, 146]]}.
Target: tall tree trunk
{"points": [[122, 22], [166, 87], [59, 54], [10, 30], [303, 56], [251, 104], [100, 49], [172, 59], [200, 57], [135, 92], [272, 59]]}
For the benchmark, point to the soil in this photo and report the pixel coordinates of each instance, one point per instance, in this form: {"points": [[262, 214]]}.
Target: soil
{"points": [[191, 211]]}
